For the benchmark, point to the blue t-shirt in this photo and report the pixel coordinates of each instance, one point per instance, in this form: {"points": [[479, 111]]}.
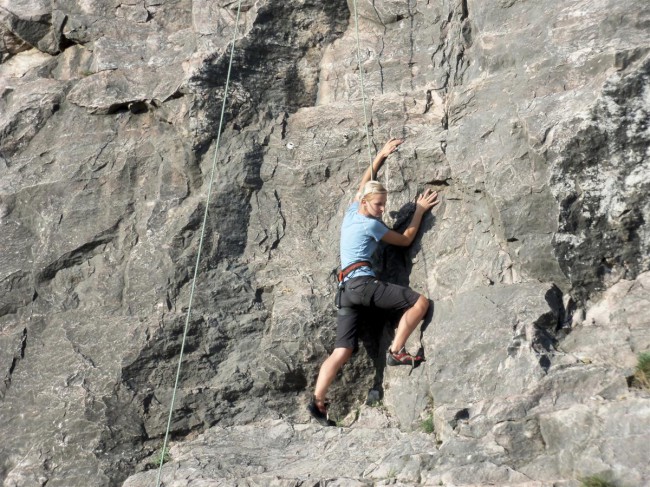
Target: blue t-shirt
{"points": [[360, 236]]}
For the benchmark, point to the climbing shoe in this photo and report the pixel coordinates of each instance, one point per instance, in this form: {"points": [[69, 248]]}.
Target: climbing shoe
{"points": [[319, 413], [403, 358]]}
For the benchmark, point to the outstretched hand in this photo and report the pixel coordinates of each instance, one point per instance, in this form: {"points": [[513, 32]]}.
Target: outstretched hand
{"points": [[426, 201], [391, 146]]}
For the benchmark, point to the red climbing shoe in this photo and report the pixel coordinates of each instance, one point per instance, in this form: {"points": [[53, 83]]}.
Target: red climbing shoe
{"points": [[403, 358]]}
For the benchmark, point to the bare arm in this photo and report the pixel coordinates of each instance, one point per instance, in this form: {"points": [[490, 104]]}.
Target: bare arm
{"points": [[425, 202], [388, 149]]}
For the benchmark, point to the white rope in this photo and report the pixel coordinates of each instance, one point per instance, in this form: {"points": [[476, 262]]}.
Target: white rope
{"points": [[363, 95], [198, 256]]}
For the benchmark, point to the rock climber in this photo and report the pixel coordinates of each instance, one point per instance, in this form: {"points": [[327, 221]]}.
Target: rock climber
{"points": [[359, 287]]}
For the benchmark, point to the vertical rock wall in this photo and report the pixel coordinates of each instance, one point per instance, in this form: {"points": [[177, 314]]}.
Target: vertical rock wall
{"points": [[529, 119]]}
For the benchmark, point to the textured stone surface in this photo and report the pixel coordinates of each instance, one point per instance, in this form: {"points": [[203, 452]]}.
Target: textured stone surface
{"points": [[615, 329], [570, 442], [529, 118], [600, 183]]}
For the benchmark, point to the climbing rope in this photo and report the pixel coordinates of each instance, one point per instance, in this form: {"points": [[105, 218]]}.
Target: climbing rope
{"points": [[363, 95], [198, 256]]}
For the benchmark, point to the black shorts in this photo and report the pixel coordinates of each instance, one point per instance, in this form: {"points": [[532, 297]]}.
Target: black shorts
{"points": [[367, 291]]}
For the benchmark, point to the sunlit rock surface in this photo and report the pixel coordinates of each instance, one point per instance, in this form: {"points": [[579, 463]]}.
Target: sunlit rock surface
{"points": [[529, 118]]}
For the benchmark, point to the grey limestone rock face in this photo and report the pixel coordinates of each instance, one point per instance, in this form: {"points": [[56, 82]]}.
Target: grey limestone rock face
{"points": [[529, 118], [30, 23], [600, 181]]}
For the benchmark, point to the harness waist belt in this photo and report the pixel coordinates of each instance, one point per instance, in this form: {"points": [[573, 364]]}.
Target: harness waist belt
{"points": [[355, 265]]}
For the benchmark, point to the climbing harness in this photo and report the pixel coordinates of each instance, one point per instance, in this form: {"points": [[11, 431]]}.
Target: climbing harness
{"points": [[363, 95], [342, 274], [355, 265], [198, 256]]}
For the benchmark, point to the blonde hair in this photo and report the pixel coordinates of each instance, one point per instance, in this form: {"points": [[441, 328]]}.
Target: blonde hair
{"points": [[372, 188]]}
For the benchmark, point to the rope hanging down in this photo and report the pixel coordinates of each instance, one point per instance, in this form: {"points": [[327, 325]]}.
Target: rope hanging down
{"points": [[363, 95], [198, 256]]}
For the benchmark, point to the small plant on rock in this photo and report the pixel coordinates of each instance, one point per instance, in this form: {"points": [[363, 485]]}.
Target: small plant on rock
{"points": [[166, 456], [642, 372], [154, 460], [596, 481], [427, 424]]}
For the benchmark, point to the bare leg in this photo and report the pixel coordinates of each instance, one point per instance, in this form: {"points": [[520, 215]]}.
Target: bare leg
{"points": [[409, 322], [328, 372]]}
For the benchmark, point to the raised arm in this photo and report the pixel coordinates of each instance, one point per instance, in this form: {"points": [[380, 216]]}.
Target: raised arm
{"points": [[425, 202], [388, 149]]}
